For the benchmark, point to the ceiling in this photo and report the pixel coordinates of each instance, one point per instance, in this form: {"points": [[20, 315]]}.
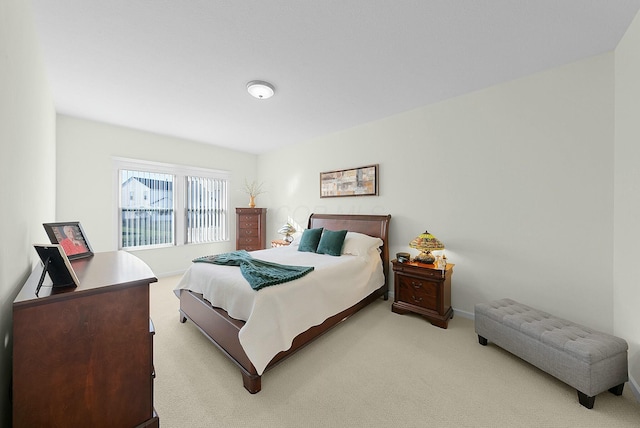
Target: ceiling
{"points": [[180, 68]]}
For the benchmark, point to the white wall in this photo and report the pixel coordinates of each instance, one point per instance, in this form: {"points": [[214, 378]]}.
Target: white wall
{"points": [[516, 180], [27, 167], [86, 182], [626, 270]]}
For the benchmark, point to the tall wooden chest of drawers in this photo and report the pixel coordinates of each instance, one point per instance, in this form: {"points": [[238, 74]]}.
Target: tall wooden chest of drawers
{"points": [[251, 229], [83, 356]]}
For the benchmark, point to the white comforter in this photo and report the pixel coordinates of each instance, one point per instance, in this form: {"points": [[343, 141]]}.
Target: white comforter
{"points": [[275, 315]]}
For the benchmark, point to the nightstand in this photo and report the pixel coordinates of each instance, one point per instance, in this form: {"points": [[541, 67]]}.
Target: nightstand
{"points": [[423, 289], [279, 243]]}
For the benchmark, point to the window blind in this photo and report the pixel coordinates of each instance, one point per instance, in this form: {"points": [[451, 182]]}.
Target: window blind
{"points": [[206, 207]]}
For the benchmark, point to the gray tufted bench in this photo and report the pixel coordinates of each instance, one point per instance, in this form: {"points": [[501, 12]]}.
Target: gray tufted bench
{"points": [[587, 360]]}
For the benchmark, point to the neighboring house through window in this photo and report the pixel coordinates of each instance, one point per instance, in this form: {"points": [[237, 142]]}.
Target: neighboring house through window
{"points": [[157, 193], [146, 221]]}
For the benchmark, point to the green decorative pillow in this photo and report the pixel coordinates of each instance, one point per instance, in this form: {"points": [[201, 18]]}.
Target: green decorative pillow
{"points": [[331, 242], [310, 239]]}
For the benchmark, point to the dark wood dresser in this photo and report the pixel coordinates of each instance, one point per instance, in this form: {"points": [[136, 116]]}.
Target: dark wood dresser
{"points": [[251, 229], [84, 356], [423, 289]]}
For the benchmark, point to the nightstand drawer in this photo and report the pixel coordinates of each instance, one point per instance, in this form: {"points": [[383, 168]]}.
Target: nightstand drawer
{"points": [[418, 292], [412, 269]]}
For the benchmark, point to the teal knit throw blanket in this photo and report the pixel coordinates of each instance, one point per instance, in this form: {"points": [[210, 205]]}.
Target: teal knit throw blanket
{"points": [[259, 273]]}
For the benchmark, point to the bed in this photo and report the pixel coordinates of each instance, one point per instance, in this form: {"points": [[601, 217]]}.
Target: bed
{"points": [[225, 329]]}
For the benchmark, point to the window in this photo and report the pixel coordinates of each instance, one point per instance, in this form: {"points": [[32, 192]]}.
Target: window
{"points": [[146, 221], [157, 194]]}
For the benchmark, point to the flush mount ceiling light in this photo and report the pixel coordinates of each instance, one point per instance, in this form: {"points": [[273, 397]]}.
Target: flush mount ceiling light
{"points": [[260, 89]]}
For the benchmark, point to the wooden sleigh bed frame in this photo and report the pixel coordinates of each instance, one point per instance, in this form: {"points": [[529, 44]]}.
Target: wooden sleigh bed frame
{"points": [[223, 330]]}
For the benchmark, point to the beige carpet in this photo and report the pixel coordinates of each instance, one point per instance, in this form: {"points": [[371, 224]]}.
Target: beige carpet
{"points": [[378, 369]]}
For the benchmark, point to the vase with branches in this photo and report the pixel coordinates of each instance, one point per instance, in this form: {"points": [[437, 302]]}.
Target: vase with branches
{"points": [[253, 189]]}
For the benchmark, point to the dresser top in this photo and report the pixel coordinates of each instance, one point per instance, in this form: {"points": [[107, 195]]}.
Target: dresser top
{"points": [[106, 269], [250, 210]]}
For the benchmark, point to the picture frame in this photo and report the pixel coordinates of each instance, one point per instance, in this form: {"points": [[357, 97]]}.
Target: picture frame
{"points": [[55, 263], [361, 181], [71, 238]]}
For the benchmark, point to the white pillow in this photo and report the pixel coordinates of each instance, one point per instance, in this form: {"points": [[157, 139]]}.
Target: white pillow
{"points": [[358, 244], [296, 239]]}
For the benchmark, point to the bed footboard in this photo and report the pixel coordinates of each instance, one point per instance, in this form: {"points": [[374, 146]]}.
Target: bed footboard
{"points": [[223, 330]]}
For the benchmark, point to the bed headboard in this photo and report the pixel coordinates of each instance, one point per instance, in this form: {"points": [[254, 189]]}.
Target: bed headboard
{"points": [[372, 225]]}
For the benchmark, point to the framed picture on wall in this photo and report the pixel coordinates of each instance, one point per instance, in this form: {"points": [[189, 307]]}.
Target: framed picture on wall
{"points": [[71, 238], [362, 181]]}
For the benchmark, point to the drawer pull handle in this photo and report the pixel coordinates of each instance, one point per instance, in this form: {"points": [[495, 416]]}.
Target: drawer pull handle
{"points": [[416, 285]]}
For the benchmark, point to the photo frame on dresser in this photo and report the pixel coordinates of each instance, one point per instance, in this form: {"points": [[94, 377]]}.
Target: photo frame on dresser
{"points": [[71, 237], [56, 263], [361, 181]]}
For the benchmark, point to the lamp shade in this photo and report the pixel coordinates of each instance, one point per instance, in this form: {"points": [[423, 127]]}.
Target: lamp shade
{"points": [[287, 230], [426, 242]]}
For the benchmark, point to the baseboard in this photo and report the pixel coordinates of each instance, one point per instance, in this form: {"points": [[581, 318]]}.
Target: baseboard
{"points": [[168, 274], [464, 314], [456, 312], [635, 388]]}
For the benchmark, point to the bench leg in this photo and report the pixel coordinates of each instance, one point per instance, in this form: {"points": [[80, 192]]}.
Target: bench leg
{"points": [[482, 340], [617, 390], [588, 402], [585, 400]]}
